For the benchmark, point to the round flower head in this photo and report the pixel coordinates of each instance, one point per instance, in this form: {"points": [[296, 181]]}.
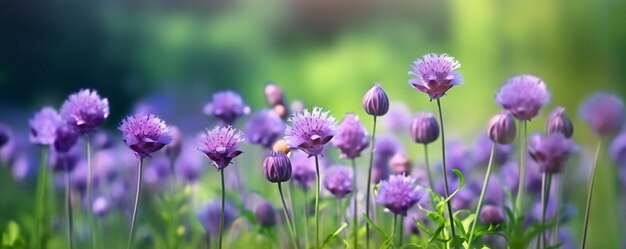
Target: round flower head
{"points": [[43, 126], [173, 149], [375, 101], [274, 94], [221, 145], [559, 122], [5, 134], [145, 134], [277, 167], [491, 215], [399, 193], [226, 106], [435, 74], [523, 96], [618, 149], [264, 128], [209, 216], [351, 137], [338, 181], [310, 131], [265, 214], [550, 151], [604, 113], [85, 110], [66, 138], [502, 128], [424, 128], [303, 169]]}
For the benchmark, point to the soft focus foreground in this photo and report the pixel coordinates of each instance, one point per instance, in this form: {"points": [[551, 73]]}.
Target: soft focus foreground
{"points": [[175, 61]]}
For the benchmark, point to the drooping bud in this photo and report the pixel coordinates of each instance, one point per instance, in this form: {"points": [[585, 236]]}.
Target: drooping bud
{"points": [[375, 101], [502, 128]]}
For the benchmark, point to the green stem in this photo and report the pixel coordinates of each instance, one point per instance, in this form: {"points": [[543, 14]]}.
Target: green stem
{"points": [[555, 234], [306, 219], [445, 170], [317, 203], [544, 205], [369, 186], [522, 169], [134, 217], [482, 193], [68, 210], [589, 196], [401, 234], [394, 225], [42, 184], [291, 231], [222, 212], [355, 220], [431, 182], [290, 195]]}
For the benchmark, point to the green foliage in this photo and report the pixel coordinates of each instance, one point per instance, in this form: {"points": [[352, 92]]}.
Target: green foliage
{"points": [[12, 237]]}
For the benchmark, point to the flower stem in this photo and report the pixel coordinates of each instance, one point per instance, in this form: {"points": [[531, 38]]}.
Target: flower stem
{"points": [[546, 181], [291, 231], [431, 182], [355, 220], [482, 193], [306, 219], [401, 233], [134, 218], [521, 184], [42, 184], [394, 225], [445, 170], [68, 210], [222, 213], [588, 208], [317, 203], [369, 186]]}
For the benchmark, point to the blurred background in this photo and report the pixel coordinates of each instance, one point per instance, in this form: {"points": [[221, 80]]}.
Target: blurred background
{"points": [[326, 53]]}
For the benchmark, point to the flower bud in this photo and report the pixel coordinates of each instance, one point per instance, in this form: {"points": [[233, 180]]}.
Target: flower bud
{"points": [[491, 215], [502, 128], [424, 128], [277, 167], [559, 122], [375, 101]]}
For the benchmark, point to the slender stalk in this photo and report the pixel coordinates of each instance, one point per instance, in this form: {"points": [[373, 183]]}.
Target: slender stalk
{"points": [[222, 213], [555, 234], [546, 199], [369, 186], [68, 210], [355, 220], [306, 219], [431, 182], [287, 217], [522, 168], [445, 170], [394, 225], [134, 218], [543, 201], [42, 185], [173, 224], [207, 240], [588, 208], [482, 192], [290, 196], [401, 234], [317, 203]]}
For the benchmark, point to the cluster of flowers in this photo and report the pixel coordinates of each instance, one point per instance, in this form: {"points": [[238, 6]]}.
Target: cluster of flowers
{"points": [[295, 151]]}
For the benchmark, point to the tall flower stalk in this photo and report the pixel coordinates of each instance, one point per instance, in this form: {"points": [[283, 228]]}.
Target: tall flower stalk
{"points": [[277, 169], [425, 130], [445, 170], [136, 203], [355, 218], [583, 243], [482, 193], [521, 183]]}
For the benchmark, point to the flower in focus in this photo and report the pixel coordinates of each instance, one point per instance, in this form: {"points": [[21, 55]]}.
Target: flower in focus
{"points": [[502, 128], [338, 181], [424, 128], [221, 145], [144, 134], [277, 167], [604, 113], [43, 126], [435, 74], [559, 122], [264, 128], [399, 193], [85, 110], [310, 131], [226, 106], [523, 96], [375, 101], [351, 137], [491, 215], [550, 151], [209, 216], [265, 214]]}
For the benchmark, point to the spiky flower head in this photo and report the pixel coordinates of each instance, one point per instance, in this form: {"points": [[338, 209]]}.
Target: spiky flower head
{"points": [[226, 106], [502, 128], [277, 167], [523, 96], [399, 193], [559, 122], [375, 101], [338, 181], [310, 131], [85, 110], [209, 216], [424, 128], [435, 74], [604, 113], [144, 134], [43, 126], [221, 145], [351, 137], [264, 128], [550, 152]]}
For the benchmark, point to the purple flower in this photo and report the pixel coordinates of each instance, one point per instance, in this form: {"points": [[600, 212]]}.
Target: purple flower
{"points": [[5, 135], [173, 149], [264, 128], [380, 170], [435, 74], [43, 126], [618, 148], [226, 106], [482, 151], [559, 122], [410, 222], [265, 214], [277, 167], [66, 138], [399, 193], [491, 215], [550, 151], [424, 128], [189, 165], [209, 216], [351, 137], [510, 176], [85, 110], [303, 169], [274, 95], [310, 131], [604, 112], [398, 118], [523, 96], [502, 128], [338, 181], [386, 146], [157, 172], [400, 164], [221, 145], [375, 101], [144, 134], [100, 206]]}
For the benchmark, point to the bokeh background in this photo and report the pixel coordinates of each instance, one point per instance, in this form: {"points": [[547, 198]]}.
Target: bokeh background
{"points": [[326, 53]]}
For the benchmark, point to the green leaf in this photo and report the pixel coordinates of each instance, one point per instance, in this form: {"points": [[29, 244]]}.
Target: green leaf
{"points": [[11, 237], [333, 235], [376, 227], [461, 185]]}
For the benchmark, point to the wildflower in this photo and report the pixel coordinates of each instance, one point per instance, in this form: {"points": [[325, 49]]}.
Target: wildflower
{"points": [[550, 151], [559, 122], [265, 214], [85, 110], [502, 128], [43, 126], [523, 96], [375, 101], [226, 106], [277, 167], [491, 215], [351, 137], [435, 74], [145, 134], [264, 128], [310, 131], [338, 181], [173, 149], [209, 216], [399, 193], [424, 128], [221, 145], [604, 113]]}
